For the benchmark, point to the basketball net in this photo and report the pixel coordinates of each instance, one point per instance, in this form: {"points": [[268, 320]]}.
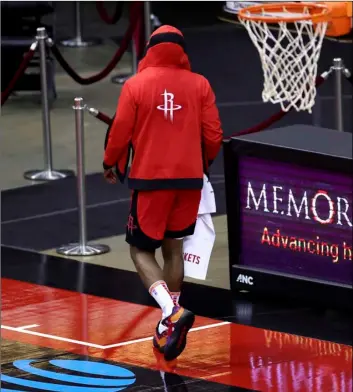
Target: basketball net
{"points": [[289, 57]]}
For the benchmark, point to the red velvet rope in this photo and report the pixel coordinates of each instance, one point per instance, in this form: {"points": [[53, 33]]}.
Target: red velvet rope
{"points": [[104, 118], [21, 69], [104, 15], [136, 11], [257, 128]]}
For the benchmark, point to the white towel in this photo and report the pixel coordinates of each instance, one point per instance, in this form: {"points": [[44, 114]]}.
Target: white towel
{"points": [[198, 247], [208, 201]]}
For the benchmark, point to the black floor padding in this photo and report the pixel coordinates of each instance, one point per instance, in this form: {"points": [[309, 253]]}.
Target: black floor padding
{"points": [[45, 216]]}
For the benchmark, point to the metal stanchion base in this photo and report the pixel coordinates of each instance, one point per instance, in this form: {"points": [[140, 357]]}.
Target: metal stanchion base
{"points": [[83, 250], [120, 79], [47, 175], [79, 43]]}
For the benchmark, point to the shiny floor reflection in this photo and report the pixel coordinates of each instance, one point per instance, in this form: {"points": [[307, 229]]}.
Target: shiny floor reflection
{"points": [[221, 353]]}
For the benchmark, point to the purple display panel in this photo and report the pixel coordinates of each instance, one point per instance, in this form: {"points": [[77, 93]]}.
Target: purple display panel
{"points": [[296, 220]]}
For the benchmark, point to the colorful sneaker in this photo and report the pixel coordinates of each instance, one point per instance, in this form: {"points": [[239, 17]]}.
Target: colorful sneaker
{"points": [[160, 339], [178, 323]]}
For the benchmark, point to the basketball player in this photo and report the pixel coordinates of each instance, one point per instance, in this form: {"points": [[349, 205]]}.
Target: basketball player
{"points": [[167, 117]]}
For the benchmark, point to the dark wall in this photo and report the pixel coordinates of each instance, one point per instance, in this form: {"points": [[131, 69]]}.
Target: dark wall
{"points": [[19, 20], [182, 14]]}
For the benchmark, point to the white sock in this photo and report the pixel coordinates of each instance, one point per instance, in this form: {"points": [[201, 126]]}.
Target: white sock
{"points": [[161, 327], [159, 291], [175, 297]]}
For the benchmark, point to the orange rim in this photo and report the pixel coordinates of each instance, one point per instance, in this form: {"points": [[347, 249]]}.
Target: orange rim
{"points": [[318, 12]]}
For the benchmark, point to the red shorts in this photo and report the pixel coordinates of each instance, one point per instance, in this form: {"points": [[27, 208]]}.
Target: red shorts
{"points": [[155, 215]]}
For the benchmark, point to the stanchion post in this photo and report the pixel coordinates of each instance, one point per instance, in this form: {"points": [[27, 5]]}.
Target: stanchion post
{"points": [[48, 173], [134, 59], [78, 21], [338, 69], [147, 19], [80, 163], [78, 41], [82, 248]]}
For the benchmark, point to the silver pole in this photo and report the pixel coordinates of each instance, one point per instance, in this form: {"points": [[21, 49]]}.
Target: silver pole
{"points": [[134, 58], [78, 22], [78, 41], [122, 78], [48, 173], [338, 68], [48, 156], [147, 20], [82, 248], [80, 164]]}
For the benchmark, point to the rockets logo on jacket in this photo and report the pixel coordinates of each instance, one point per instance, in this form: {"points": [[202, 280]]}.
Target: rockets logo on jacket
{"points": [[168, 107]]}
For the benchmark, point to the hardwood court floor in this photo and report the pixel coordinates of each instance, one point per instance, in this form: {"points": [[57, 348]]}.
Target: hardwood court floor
{"points": [[56, 312]]}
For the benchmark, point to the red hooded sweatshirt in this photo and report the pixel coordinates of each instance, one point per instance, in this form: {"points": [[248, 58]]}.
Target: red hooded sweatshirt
{"points": [[167, 116]]}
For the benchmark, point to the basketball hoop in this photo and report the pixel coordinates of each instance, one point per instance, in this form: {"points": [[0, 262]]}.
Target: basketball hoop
{"points": [[289, 54]]}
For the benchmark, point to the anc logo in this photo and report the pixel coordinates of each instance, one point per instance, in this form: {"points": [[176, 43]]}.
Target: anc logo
{"points": [[107, 378]]}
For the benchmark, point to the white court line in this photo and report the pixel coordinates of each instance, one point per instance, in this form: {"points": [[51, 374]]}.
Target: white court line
{"points": [[67, 210], [216, 375], [54, 337], [81, 343], [28, 326], [151, 337]]}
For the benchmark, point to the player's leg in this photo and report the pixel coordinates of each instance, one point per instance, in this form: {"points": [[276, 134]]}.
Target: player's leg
{"points": [[146, 266], [145, 231], [181, 223], [173, 269]]}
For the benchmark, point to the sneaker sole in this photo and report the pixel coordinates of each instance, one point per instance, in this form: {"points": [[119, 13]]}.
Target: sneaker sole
{"points": [[177, 341]]}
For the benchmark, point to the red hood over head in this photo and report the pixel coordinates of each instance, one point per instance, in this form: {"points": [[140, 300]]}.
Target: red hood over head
{"points": [[165, 48]]}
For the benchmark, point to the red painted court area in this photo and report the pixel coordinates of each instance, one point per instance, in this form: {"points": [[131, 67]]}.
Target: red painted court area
{"points": [[222, 352]]}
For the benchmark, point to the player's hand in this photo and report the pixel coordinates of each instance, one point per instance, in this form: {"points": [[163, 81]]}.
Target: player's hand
{"points": [[110, 176]]}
